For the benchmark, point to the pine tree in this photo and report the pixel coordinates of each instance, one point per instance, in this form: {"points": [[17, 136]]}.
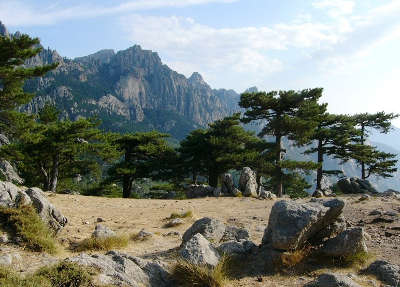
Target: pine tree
{"points": [[144, 154], [279, 112], [13, 54], [371, 160]]}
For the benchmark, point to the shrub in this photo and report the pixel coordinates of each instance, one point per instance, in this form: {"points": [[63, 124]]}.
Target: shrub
{"points": [[186, 214], [103, 243], [25, 223], [63, 274], [188, 274]]}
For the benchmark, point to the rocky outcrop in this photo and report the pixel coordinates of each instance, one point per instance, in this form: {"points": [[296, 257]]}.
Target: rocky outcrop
{"points": [[386, 272], [292, 224], [332, 280], [198, 250], [227, 185], [355, 185], [118, 269], [7, 171], [12, 196], [199, 190], [248, 182]]}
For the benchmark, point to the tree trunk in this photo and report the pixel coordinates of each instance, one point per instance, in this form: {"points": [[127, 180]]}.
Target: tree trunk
{"points": [[320, 161], [194, 178], [213, 179], [54, 173], [362, 162], [126, 186], [46, 185], [279, 178]]}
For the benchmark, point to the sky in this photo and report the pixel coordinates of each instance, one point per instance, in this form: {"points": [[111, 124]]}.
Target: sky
{"points": [[348, 47]]}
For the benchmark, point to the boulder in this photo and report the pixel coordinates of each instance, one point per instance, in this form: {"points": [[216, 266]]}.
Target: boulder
{"points": [[391, 193], [332, 230], [318, 193], [102, 231], [212, 229], [227, 183], [348, 242], [264, 194], [355, 185], [199, 190], [332, 280], [118, 269], [291, 224], [217, 192], [12, 196], [386, 272], [236, 192], [248, 182], [198, 250], [235, 234], [9, 173], [236, 247], [46, 210]]}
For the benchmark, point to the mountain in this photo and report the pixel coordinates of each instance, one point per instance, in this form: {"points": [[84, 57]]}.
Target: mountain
{"points": [[131, 90]]}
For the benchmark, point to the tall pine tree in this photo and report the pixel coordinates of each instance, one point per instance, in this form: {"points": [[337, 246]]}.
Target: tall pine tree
{"points": [[279, 112]]}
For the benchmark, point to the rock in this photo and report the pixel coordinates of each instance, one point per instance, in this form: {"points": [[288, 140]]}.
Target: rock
{"points": [[10, 195], [386, 272], [227, 183], [172, 233], [6, 259], [333, 229], [199, 190], [236, 247], [99, 219], [236, 192], [318, 193], [70, 191], [391, 193], [291, 224], [348, 242], [217, 192], [102, 231], [143, 235], [198, 250], [235, 233], [364, 197], [263, 194], [332, 280], [174, 222], [4, 238], [355, 185], [212, 229], [375, 212], [118, 269], [248, 182], [46, 210], [7, 171]]}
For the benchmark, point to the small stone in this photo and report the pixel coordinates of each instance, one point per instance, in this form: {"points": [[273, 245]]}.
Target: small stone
{"points": [[364, 197], [174, 222], [99, 219], [143, 235], [6, 259], [102, 231], [172, 233]]}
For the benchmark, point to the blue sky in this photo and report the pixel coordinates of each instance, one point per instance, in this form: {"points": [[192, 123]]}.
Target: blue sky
{"points": [[348, 47]]}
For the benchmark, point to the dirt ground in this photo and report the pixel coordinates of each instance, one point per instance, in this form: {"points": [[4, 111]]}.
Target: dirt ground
{"points": [[132, 215]]}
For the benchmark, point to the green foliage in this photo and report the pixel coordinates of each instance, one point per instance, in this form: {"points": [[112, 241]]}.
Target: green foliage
{"points": [[26, 223], [223, 146], [186, 214], [188, 274], [103, 243], [63, 274], [285, 114], [13, 54], [145, 155]]}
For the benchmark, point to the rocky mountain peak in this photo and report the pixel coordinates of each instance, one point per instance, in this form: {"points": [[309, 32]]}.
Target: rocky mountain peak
{"points": [[102, 56], [196, 78], [252, 90], [3, 30]]}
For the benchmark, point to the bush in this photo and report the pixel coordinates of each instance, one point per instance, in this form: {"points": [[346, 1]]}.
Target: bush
{"points": [[186, 214], [25, 223], [63, 274], [189, 274], [103, 243]]}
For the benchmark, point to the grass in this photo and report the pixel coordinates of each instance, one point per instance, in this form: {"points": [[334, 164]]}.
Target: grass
{"points": [[187, 274], [358, 259], [25, 223], [292, 258], [63, 274], [103, 243], [186, 214]]}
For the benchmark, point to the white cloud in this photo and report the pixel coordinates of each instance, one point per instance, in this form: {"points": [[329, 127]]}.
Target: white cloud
{"points": [[19, 13], [335, 8]]}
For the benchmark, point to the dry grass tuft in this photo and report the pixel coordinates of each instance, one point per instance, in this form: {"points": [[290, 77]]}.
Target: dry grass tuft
{"points": [[292, 258], [25, 223], [103, 243], [186, 214], [187, 274], [62, 274]]}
